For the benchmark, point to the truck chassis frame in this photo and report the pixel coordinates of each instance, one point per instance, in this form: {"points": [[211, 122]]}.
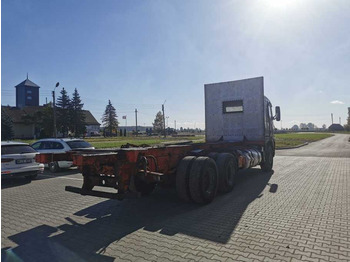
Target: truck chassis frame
{"points": [[135, 171]]}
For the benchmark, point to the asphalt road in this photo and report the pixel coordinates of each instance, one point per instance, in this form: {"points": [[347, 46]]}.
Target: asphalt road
{"points": [[335, 146], [298, 212]]}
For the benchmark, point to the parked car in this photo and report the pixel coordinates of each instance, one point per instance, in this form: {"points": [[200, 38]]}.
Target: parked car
{"points": [[18, 159], [57, 145], [95, 133]]}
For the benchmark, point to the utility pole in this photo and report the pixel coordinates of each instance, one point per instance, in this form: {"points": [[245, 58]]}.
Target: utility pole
{"points": [[136, 121], [164, 119], [175, 124], [54, 110]]}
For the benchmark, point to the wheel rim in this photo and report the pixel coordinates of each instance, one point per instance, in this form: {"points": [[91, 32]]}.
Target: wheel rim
{"points": [[52, 166]]}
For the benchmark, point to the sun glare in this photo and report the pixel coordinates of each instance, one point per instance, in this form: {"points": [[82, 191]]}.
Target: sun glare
{"points": [[280, 5]]}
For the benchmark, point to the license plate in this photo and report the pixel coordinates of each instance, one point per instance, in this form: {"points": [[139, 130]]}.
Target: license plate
{"points": [[23, 161]]}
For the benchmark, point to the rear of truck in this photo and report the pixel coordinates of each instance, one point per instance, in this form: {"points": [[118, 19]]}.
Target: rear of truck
{"points": [[239, 135], [238, 111]]}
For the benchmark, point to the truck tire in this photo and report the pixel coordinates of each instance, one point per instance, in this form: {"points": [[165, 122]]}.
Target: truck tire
{"points": [[213, 155], [267, 164], [182, 178], [227, 167], [203, 180], [143, 187], [54, 167]]}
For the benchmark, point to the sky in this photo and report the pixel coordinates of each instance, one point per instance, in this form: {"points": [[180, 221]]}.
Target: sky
{"points": [[140, 54]]}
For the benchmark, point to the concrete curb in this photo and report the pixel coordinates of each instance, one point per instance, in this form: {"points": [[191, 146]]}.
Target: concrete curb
{"points": [[292, 147]]}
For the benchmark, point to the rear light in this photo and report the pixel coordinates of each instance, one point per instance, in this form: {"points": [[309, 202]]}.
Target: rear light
{"points": [[6, 160]]}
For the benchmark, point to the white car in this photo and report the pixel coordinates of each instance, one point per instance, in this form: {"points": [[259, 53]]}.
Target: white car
{"points": [[18, 159], [57, 145]]}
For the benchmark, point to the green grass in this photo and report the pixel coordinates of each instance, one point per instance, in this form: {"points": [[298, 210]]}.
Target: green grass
{"points": [[295, 139], [119, 141], [282, 140]]}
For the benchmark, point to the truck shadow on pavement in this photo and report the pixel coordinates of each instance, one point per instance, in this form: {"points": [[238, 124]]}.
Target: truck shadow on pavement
{"points": [[111, 221]]}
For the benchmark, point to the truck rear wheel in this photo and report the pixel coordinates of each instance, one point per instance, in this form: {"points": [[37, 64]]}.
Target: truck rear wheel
{"points": [[227, 167], [182, 178], [267, 164], [203, 181]]}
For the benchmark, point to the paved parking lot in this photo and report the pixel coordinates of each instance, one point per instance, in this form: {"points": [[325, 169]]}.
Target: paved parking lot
{"points": [[298, 212]]}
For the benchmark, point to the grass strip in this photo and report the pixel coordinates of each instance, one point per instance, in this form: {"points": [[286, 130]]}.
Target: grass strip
{"points": [[296, 139]]}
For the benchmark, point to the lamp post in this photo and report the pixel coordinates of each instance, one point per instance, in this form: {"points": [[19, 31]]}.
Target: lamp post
{"points": [[164, 119], [54, 110]]}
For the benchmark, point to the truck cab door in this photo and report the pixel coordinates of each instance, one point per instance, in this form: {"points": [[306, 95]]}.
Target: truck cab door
{"points": [[268, 119]]}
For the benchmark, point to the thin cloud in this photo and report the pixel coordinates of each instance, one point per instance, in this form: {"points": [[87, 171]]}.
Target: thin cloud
{"points": [[337, 102]]}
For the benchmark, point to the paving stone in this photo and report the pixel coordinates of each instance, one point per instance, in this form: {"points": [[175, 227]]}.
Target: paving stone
{"points": [[307, 218]]}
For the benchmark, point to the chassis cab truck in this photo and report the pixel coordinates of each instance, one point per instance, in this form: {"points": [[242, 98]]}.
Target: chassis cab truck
{"points": [[239, 135]]}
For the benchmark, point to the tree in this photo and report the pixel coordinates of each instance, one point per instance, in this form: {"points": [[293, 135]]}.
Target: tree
{"points": [[311, 126], [303, 126], [46, 126], [35, 119], [77, 116], [42, 121], [295, 128], [347, 126], [63, 119], [109, 118], [6, 127], [158, 122], [324, 126]]}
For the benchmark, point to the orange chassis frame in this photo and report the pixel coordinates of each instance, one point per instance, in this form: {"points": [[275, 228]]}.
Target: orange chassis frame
{"points": [[116, 168]]}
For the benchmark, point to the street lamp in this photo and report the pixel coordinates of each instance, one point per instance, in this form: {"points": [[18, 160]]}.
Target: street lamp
{"points": [[54, 110], [164, 119]]}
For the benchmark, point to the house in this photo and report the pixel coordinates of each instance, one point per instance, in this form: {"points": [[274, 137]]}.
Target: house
{"points": [[92, 126], [336, 127], [21, 127], [24, 127], [27, 113]]}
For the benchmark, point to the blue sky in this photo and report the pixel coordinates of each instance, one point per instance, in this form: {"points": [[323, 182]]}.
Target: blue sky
{"points": [[140, 53]]}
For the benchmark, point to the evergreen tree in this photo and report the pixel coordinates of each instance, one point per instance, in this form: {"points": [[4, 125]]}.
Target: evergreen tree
{"points": [[77, 116], [6, 127], [109, 118], [158, 123], [63, 119]]}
